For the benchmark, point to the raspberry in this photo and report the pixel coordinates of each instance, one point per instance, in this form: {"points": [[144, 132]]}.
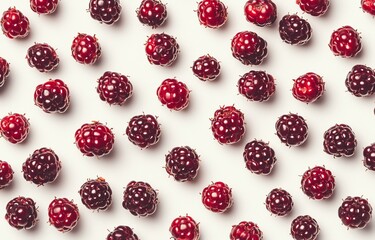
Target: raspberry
{"points": [[212, 13], [314, 7], [360, 81], [86, 49], [140, 199], [279, 202], [217, 197], [43, 166], [246, 231], [249, 48], [44, 6], [6, 174], [63, 214], [260, 12], [292, 129], [369, 157], [368, 6], [4, 70], [256, 86], [173, 94], [122, 233], [228, 125], [308, 88], [162, 49], [94, 139], [304, 228], [206, 68], [182, 163], [259, 157], [114, 88], [345, 42], [339, 140], [294, 30], [184, 228], [14, 128], [355, 212], [152, 13], [318, 183], [143, 130], [14, 24], [105, 11], [52, 96], [43, 57], [21, 213], [96, 194]]}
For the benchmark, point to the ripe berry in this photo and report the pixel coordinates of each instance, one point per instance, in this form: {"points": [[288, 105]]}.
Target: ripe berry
{"points": [[173, 94], [360, 81], [279, 202], [86, 49], [355, 212], [256, 86], [304, 228], [96, 194], [260, 12], [6, 174], [52, 96], [114, 88], [43, 57], [294, 30], [259, 157], [345, 42], [162, 49], [339, 140], [43, 166], [140, 199], [368, 6], [292, 129], [182, 163], [63, 214], [21, 213], [105, 11], [318, 183], [184, 228], [94, 139], [14, 24], [206, 68], [308, 88], [217, 197], [246, 231], [4, 70], [314, 7], [44, 6], [369, 157], [212, 13], [122, 233], [143, 130], [14, 128], [152, 13], [249, 48]]}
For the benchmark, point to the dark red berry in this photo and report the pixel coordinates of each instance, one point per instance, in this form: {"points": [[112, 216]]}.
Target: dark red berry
{"points": [[14, 24], [182, 163], [318, 183], [260, 12], [304, 228], [140, 199], [259, 157], [345, 42], [256, 86], [249, 48], [52, 96], [4, 70], [314, 7], [14, 128], [21, 213], [122, 233], [279, 202], [86, 49], [42, 167], [360, 81], [340, 140], [212, 13], [292, 129], [184, 228], [217, 197], [143, 130], [308, 88], [246, 231], [368, 6], [96, 194], [162, 49], [105, 11], [114, 88], [63, 214], [206, 68], [94, 139], [152, 13], [43, 57], [369, 157], [294, 30], [44, 6], [173, 94], [355, 212], [6, 174]]}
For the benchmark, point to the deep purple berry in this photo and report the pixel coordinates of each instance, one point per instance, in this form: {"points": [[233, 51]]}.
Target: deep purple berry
{"points": [[96, 194], [182, 163]]}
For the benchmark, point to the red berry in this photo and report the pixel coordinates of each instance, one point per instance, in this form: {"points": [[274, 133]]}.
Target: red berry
{"points": [[304, 228], [14, 128], [4, 70], [105, 11], [246, 231], [96, 194], [182, 163], [94, 139], [259, 157], [339, 140], [173, 94], [369, 157], [279, 202], [122, 233], [6, 174], [355, 212], [52, 96], [44, 6], [256, 86], [114, 88], [294, 30], [217, 197], [292, 129], [368, 6], [21, 213], [43, 57], [14, 24], [206, 68], [212, 13], [86, 49], [162, 49], [345, 42], [360, 81], [260, 12], [308, 88], [318, 183], [314, 7], [63, 214], [184, 228], [249, 48], [143, 130], [152, 13], [140, 199]]}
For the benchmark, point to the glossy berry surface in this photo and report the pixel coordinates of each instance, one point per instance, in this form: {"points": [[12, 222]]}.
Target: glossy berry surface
{"points": [[52, 96], [368, 6], [152, 13], [256, 86], [14, 24], [345, 42], [308, 88], [212, 13], [14, 128], [355, 212], [86, 49], [161, 49], [4, 71], [360, 81], [206, 68], [369, 157], [43, 57], [304, 228], [314, 7], [217, 197], [339, 141], [96, 194], [105, 11], [173, 94], [143, 130], [21, 213], [6, 174], [260, 12], [114, 88], [44, 6], [140, 199], [122, 233], [184, 228], [63, 214], [259, 157], [292, 129], [42, 167], [182, 163], [94, 139], [249, 48], [279, 202], [294, 30], [318, 183], [246, 231]]}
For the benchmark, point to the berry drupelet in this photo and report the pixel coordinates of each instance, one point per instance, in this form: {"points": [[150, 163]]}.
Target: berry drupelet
{"points": [[122, 233], [44, 6], [246, 231], [43, 57], [86, 49], [105, 11], [355, 212], [63, 214], [143, 130], [52, 96], [318, 183], [260, 12], [360, 81], [6, 174], [308, 88], [114, 88], [212, 13], [249, 48], [368, 6], [279, 202], [314, 7], [345, 42], [21, 213], [217, 197], [14, 24], [256, 86], [173, 94], [161, 49], [294, 30], [340, 140], [369, 157], [182, 163], [304, 228], [292, 129], [184, 228], [206, 68], [4, 70], [14, 128], [152, 13], [96, 194], [259, 157]]}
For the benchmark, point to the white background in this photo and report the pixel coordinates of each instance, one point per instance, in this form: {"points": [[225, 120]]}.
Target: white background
{"points": [[123, 51]]}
